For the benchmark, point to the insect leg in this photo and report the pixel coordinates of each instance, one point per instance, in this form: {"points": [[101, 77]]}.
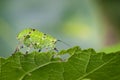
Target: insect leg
{"points": [[29, 48], [64, 43], [21, 46], [18, 47], [16, 50], [39, 50], [27, 51], [56, 49]]}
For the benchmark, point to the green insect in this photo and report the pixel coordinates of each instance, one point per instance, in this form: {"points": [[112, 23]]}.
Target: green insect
{"points": [[36, 39]]}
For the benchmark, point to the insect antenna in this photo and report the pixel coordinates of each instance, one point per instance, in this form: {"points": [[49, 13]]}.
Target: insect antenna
{"points": [[64, 42]]}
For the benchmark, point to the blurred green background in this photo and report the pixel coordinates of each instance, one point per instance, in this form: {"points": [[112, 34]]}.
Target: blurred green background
{"points": [[86, 23]]}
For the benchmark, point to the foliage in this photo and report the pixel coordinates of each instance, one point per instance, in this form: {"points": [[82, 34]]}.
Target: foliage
{"points": [[71, 64], [109, 49]]}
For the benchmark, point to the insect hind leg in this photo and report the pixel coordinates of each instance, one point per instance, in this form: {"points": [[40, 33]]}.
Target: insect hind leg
{"points": [[18, 48]]}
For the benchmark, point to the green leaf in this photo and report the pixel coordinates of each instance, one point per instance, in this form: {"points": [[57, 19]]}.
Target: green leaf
{"points": [[79, 65], [112, 48]]}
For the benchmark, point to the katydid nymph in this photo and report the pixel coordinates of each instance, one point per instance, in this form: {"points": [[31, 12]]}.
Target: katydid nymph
{"points": [[38, 40]]}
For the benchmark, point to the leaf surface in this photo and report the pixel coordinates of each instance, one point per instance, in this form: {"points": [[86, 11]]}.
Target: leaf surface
{"points": [[79, 65]]}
